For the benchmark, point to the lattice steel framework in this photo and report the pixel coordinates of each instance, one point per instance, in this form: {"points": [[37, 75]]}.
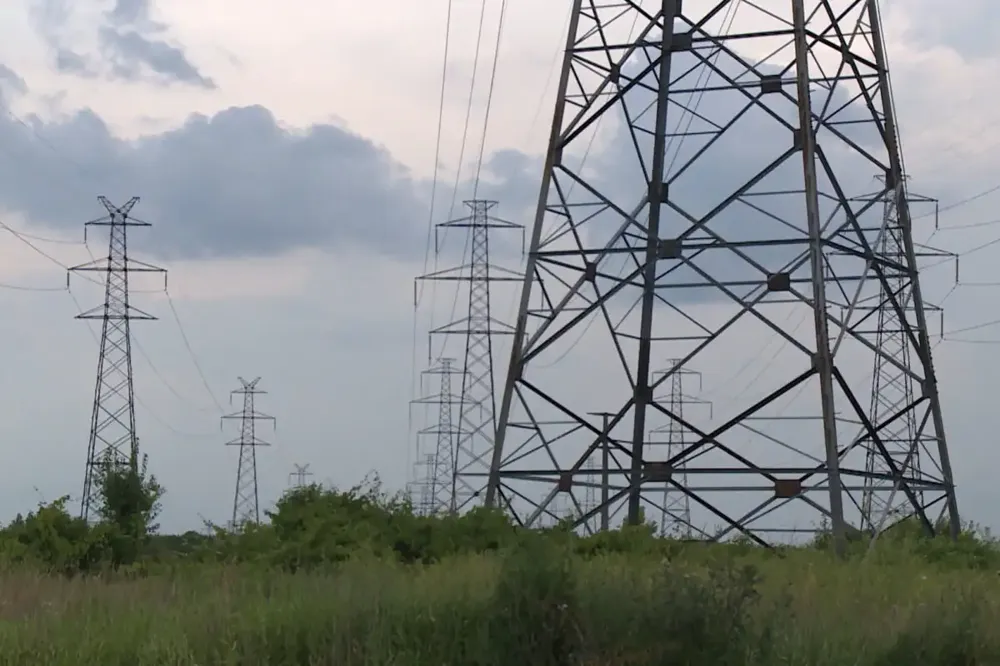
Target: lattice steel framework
{"points": [[476, 406], [438, 485], [421, 489], [246, 499], [708, 221], [113, 438], [893, 390], [675, 509], [297, 478]]}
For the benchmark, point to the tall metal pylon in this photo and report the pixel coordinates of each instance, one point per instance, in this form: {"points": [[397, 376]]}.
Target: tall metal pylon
{"points": [[675, 509], [476, 406], [893, 391], [112, 423], [438, 482], [246, 500], [297, 478], [421, 489], [719, 208]]}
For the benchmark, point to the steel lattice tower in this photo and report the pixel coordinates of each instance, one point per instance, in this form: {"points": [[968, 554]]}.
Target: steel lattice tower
{"points": [[299, 476], [422, 489], [893, 387], [438, 483], [723, 208], [246, 502], [112, 423], [675, 505], [476, 406]]}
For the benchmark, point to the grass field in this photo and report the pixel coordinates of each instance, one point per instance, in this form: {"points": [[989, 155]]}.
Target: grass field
{"points": [[539, 607]]}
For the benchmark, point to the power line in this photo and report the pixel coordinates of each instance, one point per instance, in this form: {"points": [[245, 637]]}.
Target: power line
{"points": [[138, 400], [21, 287], [163, 380], [458, 175], [430, 222], [489, 99], [469, 242], [437, 148], [960, 202], [190, 350]]}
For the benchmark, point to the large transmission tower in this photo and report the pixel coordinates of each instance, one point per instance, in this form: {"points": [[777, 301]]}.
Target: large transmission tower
{"points": [[476, 406], [893, 391], [246, 500], [113, 436], [730, 142], [438, 481], [675, 509]]}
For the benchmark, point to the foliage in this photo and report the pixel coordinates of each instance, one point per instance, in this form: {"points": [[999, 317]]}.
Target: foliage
{"points": [[357, 577], [129, 503], [50, 539]]}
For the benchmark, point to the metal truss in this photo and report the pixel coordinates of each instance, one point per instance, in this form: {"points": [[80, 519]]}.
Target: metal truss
{"points": [[675, 512], [113, 438], [437, 481], [893, 390], [476, 405], [709, 222], [246, 499], [297, 478]]}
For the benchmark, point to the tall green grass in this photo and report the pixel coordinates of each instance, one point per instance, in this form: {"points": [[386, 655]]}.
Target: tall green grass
{"points": [[536, 606]]}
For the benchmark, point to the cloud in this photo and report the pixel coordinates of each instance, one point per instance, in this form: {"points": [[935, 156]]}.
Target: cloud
{"points": [[11, 81], [238, 184], [235, 184], [132, 43], [127, 40], [971, 28]]}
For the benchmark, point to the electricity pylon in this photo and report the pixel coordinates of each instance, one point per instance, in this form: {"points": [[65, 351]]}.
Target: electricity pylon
{"points": [[113, 436], [246, 500], [718, 209], [894, 393], [297, 478], [422, 489], [438, 483], [476, 404], [675, 510]]}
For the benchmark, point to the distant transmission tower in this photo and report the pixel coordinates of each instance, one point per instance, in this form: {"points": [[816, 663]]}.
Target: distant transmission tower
{"points": [[893, 397], [476, 406], [297, 479], [719, 208], [246, 502], [112, 422], [422, 490], [438, 482], [675, 510]]}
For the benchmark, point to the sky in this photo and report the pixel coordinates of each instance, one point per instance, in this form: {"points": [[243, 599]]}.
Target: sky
{"points": [[286, 162]]}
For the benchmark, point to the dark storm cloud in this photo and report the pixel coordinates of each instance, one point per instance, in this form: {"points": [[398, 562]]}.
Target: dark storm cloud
{"points": [[234, 184]]}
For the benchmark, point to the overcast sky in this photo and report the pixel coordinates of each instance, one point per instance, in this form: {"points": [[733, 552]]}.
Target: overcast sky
{"points": [[285, 161]]}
